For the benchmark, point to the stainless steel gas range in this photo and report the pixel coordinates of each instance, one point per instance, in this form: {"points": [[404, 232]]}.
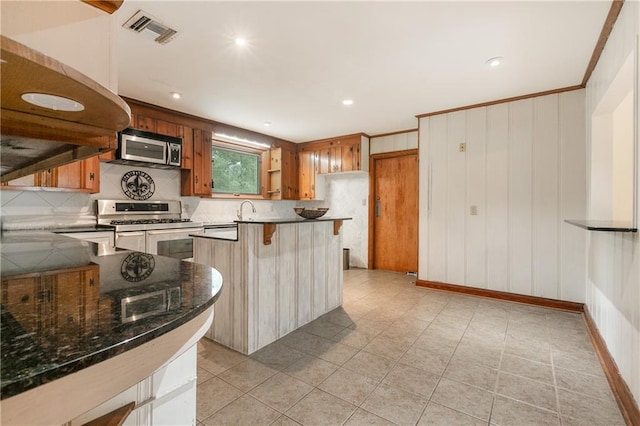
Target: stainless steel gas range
{"points": [[154, 227]]}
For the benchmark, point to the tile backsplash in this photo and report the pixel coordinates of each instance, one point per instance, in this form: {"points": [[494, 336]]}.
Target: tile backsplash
{"points": [[346, 197]]}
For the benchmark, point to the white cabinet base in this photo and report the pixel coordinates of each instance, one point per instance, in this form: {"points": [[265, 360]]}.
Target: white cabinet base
{"points": [[271, 290]]}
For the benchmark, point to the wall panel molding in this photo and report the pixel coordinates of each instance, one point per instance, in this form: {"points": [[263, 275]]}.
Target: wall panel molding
{"points": [[496, 184]]}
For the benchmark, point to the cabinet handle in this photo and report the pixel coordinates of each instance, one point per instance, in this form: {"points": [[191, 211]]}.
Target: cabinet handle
{"points": [[91, 282], [196, 178], [91, 176]]}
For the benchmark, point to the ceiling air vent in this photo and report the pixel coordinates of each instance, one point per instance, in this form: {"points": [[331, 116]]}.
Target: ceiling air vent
{"points": [[149, 26]]}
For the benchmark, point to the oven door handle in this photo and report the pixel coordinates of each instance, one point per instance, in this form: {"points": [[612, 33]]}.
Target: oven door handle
{"points": [[175, 231]]}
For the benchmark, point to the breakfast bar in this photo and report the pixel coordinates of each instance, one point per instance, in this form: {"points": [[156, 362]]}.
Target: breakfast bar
{"points": [[86, 331], [279, 274]]}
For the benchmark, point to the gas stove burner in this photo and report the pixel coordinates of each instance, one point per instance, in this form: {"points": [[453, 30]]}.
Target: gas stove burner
{"points": [[147, 221]]}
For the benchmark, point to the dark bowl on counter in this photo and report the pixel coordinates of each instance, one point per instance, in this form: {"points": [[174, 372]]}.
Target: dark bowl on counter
{"points": [[310, 213]]}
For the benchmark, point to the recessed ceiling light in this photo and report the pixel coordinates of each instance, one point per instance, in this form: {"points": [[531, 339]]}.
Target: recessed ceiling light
{"points": [[241, 41], [267, 123], [53, 102], [495, 62], [176, 95], [347, 102]]}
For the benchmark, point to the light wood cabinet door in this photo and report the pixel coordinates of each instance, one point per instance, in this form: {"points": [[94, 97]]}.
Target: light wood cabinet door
{"points": [[290, 180], [19, 295], [202, 162], [166, 128], [323, 164], [186, 133], [81, 176], [69, 176], [307, 162], [144, 123], [91, 174], [68, 302]]}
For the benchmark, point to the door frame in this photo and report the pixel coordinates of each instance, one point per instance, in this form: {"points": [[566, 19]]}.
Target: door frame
{"points": [[372, 190]]}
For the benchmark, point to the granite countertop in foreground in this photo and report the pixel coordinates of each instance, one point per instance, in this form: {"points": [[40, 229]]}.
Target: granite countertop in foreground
{"points": [[65, 308], [291, 220]]}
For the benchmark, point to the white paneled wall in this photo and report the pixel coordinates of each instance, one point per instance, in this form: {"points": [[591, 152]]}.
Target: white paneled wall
{"points": [[396, 142], [613, 268], [492, 211]]}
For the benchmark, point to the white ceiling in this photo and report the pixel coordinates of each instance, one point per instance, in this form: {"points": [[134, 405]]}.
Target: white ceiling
{"points": [[396, 60]]}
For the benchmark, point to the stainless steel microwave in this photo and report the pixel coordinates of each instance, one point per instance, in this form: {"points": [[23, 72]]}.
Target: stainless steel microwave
{"points": [[136, 147]]}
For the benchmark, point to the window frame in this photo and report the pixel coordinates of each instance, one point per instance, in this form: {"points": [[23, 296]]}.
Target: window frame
{"points": [[263, 154]]}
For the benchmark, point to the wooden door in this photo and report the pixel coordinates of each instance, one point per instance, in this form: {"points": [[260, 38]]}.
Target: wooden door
{"points": [[395, 211]]}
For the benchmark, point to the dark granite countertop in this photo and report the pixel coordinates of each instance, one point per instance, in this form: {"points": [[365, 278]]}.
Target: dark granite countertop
{"points": [[95, 228], [65, 308], [290, 220], [604, 225]]}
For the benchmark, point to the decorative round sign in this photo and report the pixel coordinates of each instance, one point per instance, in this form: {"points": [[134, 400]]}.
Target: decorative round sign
{"points": [[138, 185], [137, 267]]}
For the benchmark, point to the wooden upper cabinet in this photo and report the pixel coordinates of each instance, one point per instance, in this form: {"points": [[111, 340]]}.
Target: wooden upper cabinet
{"points": [[290, 180], [186, 133], [197, 180], [80, 176], [144, 123], [336, 155], [307, 174], [108, 6], [166, 128]]}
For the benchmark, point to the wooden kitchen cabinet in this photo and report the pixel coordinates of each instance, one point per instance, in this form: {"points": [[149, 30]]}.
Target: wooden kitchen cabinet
{"points": [[154, 125], [166, 128], [80, 176], [65, 300], [307, 173], [186, 133], [274, 171], [141, 122], [336, 155], [283, 174], [290, 171], [21, 294], [197, 180]]}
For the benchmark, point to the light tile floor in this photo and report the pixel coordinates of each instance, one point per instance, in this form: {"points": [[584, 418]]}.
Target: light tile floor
{"points": [[399, 354]]}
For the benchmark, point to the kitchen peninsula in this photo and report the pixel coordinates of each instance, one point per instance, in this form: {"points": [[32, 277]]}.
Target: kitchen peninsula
{"points": [[84, 332], [279, 275]]}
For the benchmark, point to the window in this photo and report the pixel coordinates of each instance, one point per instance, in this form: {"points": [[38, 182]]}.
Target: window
{"points": [[235, 171]]}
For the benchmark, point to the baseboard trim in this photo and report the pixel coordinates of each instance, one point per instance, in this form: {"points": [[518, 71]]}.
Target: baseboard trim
{"points": [[626, 402], [503, 295]]}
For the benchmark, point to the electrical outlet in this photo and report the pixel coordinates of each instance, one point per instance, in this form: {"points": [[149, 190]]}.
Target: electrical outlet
{"points": [[473, 210], [462, 147]]}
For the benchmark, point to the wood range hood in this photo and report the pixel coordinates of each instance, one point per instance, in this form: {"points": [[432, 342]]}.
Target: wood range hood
{"points": [[35, 138]]}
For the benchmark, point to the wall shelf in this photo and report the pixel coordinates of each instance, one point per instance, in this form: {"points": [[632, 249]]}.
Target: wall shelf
{"points": [[604, 225]]}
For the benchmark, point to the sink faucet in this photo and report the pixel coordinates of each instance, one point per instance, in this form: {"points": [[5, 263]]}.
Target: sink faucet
{"points": [[239, 213]]}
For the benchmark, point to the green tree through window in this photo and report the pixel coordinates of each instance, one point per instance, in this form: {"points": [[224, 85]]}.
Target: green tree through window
{"points": [[235, 172]]}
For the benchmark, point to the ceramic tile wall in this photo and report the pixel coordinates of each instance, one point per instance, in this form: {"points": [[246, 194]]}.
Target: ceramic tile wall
{"points": [[346, 196], [39, 210]]}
